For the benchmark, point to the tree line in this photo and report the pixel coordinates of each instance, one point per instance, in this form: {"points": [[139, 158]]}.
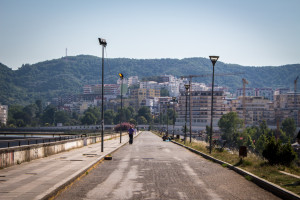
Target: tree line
{"points": [[35, 115]]}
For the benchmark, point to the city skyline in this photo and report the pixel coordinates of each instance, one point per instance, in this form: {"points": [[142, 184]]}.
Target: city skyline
{"points": [[247, 33]]}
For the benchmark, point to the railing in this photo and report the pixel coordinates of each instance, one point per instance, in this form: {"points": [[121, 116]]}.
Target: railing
{"points": [[29, 141]]}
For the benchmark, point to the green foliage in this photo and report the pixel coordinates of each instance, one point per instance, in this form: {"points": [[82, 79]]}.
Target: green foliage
{"points": [[164, 92], [109, 116], [141, 120], [144, 112], [89, 119], [277, 153], [289, 127], [230, 125]]}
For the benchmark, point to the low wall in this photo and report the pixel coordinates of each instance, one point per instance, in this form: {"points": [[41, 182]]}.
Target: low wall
{"points": [[17, 155]]}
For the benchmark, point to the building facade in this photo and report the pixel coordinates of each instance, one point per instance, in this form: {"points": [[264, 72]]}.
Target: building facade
{"points": [[201, 108], [3, 114]]}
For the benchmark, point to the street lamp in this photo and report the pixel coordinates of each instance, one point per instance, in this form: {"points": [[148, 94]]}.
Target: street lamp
{"points": [[173, 100], [121, 114], [187, 86], [168, 105], [213, 60], [103, 43]]}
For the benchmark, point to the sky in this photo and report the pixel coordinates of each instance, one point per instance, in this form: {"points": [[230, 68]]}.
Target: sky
{"points": [[250, 33]]}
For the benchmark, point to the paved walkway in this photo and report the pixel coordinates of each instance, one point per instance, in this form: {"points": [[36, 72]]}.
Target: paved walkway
{"points": [[40, 178], [155, 170]]}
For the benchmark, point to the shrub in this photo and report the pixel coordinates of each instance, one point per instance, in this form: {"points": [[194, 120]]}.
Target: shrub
{"points": [[276, 153], [124, 126]]}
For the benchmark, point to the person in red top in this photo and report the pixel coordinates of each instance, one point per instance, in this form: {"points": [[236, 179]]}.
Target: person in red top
{"points": [[130, 133]]}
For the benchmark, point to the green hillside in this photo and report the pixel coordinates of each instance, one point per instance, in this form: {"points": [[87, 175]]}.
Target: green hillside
{"points": [[67, 75]]}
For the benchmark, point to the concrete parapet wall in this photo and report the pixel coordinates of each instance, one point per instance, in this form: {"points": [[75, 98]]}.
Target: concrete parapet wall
{"points": [[17, 155]]}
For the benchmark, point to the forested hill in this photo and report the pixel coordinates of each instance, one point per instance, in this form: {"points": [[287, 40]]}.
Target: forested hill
{"points": [[67, 75]]}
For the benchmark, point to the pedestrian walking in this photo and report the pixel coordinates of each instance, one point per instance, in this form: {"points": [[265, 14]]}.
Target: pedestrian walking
{"points": [[130, 133]]}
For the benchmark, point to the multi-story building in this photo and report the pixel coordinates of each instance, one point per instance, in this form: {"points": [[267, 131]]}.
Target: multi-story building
{"points": [[281, 91], [133, 80], [249, 92], [109, 89], [3, 114], [201, 108], [256, 110], [287, 106], [140, 94], [267, 93]]}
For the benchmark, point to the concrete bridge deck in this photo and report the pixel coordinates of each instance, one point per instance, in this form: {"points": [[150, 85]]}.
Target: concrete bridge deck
{"points": [[148, 169], [153, 169]]}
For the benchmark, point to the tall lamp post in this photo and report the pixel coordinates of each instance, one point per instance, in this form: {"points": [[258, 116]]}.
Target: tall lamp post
{"points": [[121, 114], [173, 100], [103, 43], [187, 86], [168, 105], [213, 60]]}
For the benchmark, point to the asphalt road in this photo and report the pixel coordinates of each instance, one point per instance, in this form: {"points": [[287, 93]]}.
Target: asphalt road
{"points": [[153, 169]]}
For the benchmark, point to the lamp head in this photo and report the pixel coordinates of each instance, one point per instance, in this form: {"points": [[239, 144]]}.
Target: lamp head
{"points": [[214, 59], [187, 86], [102, 42]]}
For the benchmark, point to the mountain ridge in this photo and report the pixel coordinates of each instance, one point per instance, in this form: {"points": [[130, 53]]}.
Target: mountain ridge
{"points": [[52, 78]]}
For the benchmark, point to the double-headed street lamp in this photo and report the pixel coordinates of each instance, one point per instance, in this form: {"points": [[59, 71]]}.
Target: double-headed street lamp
{"points": [[121, 112], [213, 60], [103, 43], [187, 86]]}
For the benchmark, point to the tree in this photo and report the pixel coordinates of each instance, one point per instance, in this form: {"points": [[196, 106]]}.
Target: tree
{"points": [[48, 115], [145, 112], [289, 127], [62, 117], [276, 153], [142, 120], [89, 119], [109, 116], [164, 92], [230, 125]]}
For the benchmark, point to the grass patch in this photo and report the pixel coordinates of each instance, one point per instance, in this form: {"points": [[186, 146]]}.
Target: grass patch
{"points": [[224, 165], [249, 178]]}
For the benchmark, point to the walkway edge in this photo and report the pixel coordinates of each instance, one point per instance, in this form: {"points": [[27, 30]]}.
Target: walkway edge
{"points": [[51, 192], [271, 187]]}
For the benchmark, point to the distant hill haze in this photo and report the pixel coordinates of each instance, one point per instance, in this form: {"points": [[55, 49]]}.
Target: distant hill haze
{"points": [[67, 75]]}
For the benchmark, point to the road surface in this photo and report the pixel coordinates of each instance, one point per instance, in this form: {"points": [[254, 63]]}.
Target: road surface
{"points": [[153, 169]]}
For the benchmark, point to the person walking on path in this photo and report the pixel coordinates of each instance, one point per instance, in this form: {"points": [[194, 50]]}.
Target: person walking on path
{"points": [[130, 133]]}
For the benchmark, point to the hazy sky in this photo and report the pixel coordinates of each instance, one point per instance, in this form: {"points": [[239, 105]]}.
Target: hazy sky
{"points": [[253, 32]]}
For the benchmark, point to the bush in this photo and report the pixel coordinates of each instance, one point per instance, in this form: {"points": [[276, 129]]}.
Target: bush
{"points": [[276, 153], [124, 126]]}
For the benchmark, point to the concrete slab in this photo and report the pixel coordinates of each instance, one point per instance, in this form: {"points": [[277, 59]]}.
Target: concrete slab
{"points": [[40, 178]]}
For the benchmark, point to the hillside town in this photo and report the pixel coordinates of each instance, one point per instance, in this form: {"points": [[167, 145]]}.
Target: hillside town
{"points": [[251, 104]]}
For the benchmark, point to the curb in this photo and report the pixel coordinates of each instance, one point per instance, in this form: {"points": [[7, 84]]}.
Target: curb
{"points": [[271, 187], [53, 191]]}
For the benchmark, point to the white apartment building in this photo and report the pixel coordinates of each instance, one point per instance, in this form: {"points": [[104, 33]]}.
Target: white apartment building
{"points": [[132, 80], [288, 106], [3, 114], [201, 108], [267, 93], [249, 92]]}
